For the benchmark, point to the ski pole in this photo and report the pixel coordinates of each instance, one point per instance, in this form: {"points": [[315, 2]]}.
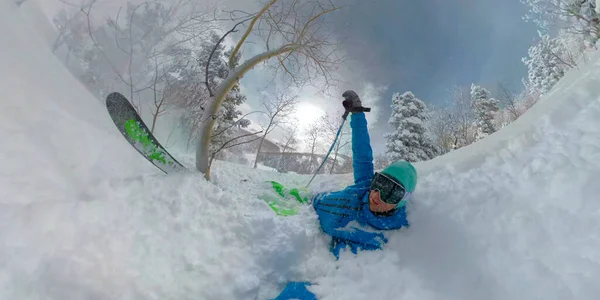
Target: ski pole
{"points": [[330, 148], [344, 116], [337, 135]]}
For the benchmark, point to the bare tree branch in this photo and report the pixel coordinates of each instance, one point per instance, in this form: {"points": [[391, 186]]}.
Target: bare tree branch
{"points": [[303, 51], [89, 27], [247, 33], [235, 123], [225, 145], [210, 92], [277, 110]]}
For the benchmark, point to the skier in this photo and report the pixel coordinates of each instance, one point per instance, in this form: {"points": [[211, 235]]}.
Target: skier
{"points": [[355, 216], [376, 200]]}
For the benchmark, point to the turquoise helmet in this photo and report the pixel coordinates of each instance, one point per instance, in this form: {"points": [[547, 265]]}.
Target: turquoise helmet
{"points": [[404, 172]]}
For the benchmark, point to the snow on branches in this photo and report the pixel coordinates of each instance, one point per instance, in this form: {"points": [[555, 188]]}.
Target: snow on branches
{"points": [[409, 140], [485, 108], [545, 63]]}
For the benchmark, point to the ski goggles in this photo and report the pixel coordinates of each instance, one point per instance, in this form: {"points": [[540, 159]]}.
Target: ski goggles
{"points": [[390, 190]]}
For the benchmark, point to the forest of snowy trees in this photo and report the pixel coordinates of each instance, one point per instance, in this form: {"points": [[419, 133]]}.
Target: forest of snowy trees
{"points": [[168, 58], [567, 30]]}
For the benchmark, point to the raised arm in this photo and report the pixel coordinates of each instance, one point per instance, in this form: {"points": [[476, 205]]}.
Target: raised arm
{"points": [[362, 154]]}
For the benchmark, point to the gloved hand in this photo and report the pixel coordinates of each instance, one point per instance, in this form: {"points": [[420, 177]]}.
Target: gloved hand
{"points": [[337, 244], [352, 102], [296, 290]]}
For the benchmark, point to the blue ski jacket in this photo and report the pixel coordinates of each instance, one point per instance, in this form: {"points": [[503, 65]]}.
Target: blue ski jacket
{"points": [[345, 214]]}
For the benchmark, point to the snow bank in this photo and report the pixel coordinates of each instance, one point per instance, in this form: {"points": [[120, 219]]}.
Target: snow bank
{"points": [[83, 216], [57, 139], [520, 223]]}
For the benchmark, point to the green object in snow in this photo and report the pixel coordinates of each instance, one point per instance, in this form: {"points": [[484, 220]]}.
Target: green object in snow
{"points": [[136, 133], [285, 202], [132, 127]]}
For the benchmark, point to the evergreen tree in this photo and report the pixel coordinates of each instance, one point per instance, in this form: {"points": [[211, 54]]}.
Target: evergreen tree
{"points": [[194, 97], [229, 112], [485, 108], [545, 64], [584, 18], [409, 141]]}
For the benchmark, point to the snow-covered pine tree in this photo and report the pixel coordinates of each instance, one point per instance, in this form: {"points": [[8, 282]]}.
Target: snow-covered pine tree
{"points": [[590, 18], [485, 108], [409, 140], [580, 17], [545, 63], [194, 95]]}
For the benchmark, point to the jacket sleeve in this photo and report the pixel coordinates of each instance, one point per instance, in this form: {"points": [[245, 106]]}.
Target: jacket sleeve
{"points": [[362, 154], [367, 240], [335, 219]]}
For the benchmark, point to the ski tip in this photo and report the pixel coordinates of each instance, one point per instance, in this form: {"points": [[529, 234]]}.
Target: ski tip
{"points": [[113, 97]]}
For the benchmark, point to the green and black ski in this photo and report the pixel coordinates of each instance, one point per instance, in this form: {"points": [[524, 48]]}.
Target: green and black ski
{"points": [[138, 135], [284, 201]]}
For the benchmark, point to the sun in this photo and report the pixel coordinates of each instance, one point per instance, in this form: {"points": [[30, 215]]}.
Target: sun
{"points": [[307, 113]]}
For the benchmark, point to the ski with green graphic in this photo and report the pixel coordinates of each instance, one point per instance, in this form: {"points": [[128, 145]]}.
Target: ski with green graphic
{"points": [[283, 201], [138, 135]]}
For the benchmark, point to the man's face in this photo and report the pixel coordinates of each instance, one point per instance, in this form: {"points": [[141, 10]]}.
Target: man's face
{"points": [[376, 205]]}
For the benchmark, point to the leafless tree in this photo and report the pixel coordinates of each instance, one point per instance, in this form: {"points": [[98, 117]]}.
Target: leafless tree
{"points": [[148, 50], [293, 32], [290, 141], [571, 15], [462, 116], [235, 142], [509, 98], [443, 126], [278, 111], [224, 141], [329, 125], [312, 140], [452, 125]]}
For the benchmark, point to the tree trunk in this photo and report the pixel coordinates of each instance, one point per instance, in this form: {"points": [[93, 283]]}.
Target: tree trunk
{"points": [[280, 164], [154, 117], [333, 162], [312, 156], [259, 147], [203, 148]]}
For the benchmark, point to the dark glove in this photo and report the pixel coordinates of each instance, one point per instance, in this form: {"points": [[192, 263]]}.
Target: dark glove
{"points": [[376, 243], [351, 101]]}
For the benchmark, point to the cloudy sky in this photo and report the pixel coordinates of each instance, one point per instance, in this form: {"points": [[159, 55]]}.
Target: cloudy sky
{"points": [[428, 46], [422, 46]]}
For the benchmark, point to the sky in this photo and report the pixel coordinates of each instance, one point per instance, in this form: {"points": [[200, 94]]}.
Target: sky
{"points": [[425, 47], [402, 45], [428, 46]]}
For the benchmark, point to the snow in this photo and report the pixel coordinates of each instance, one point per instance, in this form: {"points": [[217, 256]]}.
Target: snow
{"points": [[82, 216]]}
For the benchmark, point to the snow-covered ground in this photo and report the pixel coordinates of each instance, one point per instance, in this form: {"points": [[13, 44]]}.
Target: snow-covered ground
{"points": [[82, 216]]}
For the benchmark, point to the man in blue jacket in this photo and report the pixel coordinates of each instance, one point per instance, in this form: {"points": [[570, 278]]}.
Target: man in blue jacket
{"points": [[356, 216], [375, 202]]}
